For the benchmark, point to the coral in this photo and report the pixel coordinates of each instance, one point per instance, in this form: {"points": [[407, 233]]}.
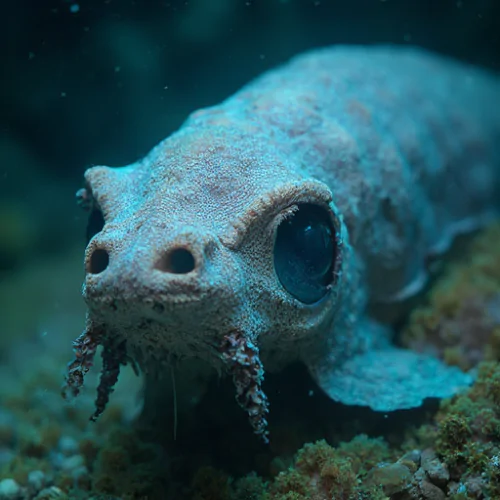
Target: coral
{"points": [[365, 452], [126, 466], [89, 448], [468, 432], [456, 456], [210, 484], [321, 471], [250, 487], [460, 321]]}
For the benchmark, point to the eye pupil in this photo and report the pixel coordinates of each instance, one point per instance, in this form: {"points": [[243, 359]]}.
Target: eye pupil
{"points": [[316, 248], [304, 253]]}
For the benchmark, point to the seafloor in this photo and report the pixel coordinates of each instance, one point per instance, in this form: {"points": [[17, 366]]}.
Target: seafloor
{"points": [[318, 450]]}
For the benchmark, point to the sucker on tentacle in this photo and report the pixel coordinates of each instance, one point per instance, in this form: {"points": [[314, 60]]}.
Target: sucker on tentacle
{"points": [[242, 359]]}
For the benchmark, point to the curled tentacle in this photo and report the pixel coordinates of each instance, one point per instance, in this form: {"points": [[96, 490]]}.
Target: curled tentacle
{"points": [[242, 359]]}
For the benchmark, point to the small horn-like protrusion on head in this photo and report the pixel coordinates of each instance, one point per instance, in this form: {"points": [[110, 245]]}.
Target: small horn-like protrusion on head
{"points": [[84, 199], [242, 358]]}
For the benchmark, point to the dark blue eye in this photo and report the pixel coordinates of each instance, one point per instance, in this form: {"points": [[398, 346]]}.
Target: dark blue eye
{"points": [[305, 252]]}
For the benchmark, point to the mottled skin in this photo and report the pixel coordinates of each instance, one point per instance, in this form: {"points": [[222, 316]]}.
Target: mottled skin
{"points": [[400, 147]]}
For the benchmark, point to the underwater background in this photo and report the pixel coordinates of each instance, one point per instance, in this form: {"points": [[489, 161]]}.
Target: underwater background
{"points": [[101, 82]]}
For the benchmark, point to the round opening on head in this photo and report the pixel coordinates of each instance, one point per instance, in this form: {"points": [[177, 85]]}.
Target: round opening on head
{"points": [[99, 261], [177, 261]]}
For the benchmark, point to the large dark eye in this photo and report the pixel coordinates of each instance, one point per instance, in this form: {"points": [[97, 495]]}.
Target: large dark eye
{"points": [[304, 253], [94, 224]]}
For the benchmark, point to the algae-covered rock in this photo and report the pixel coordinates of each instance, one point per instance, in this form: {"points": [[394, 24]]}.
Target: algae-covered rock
{"points": [[459, 319], [468, 438], [391, 478]]}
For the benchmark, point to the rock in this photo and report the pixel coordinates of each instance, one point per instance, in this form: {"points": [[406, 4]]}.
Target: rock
{"points": [[9, 490], [428, 491], [411, 460], [73, 462], [472, 487], [80, 473], [393, 478], [52, 493], [36, 480], [431, 492], [68, 446], [436, 471]]}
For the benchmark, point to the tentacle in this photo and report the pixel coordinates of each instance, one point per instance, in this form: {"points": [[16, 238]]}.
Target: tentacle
{"points": [[84, 347], [242, 359], [112, 357]]}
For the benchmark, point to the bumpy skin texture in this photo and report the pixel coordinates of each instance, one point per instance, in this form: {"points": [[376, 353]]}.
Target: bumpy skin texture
{"points": [[400, 147]]}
